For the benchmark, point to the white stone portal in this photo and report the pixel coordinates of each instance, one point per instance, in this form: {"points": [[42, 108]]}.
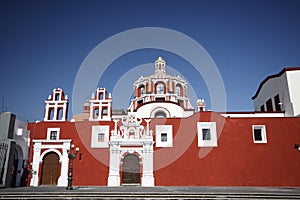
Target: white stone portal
{"points": [[59, 147], [131, 137]]}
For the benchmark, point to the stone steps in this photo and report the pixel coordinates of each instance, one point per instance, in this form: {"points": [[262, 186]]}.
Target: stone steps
{"points": [[145, 196], [209, 193]]}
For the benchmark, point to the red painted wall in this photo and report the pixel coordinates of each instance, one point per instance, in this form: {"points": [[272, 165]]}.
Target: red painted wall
{"points": [[237, 161], [88, 170]]}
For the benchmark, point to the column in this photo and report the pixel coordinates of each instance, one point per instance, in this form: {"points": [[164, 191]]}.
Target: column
{"points": [[135, 92], [64, 113], [46, 112], [108, 110], [114, 166], [147, 178], [170, 85], [91, 111], [55, 112], [147, 127], [115, 132], [35, 164], [63, 179], [149, 86]]}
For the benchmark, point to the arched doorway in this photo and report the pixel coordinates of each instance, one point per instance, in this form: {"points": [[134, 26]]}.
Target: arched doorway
{"points": [[14, 169], [131, 170], [50, 169]]}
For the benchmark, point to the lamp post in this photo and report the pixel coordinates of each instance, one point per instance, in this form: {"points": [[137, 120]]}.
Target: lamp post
{"points": [[71, 155], [297, 146]]}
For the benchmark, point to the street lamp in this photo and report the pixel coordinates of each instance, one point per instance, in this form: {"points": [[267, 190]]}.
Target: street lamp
{"points": [[297, 146], [71, 155]]}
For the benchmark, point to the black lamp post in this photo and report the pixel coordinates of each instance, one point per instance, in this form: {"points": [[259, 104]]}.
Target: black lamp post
{"points": [[297, 146], [71, 155]]}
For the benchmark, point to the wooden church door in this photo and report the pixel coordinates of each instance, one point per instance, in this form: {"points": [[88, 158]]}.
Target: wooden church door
{"points": [[131, 170], [50, 169]]}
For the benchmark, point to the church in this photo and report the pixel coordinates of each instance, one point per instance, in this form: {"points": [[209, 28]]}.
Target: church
{"points": [[162, 140]]}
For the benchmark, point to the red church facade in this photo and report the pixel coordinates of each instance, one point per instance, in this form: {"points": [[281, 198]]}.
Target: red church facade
{"points": [[152, 148]]}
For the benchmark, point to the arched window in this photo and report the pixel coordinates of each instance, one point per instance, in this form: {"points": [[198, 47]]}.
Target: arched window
{"points": [[96, 113], [160, 114], [59, 113], [160, 88], [51, 114], [57, 97], [142, 90], [101, 96], [178, 90], [105, 111]]}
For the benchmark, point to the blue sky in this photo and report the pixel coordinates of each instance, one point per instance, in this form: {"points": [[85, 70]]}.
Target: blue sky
{"points": [[43, 44]]}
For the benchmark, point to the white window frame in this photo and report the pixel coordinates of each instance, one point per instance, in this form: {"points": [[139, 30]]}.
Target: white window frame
{"points": [[49, 130], [96, 130], [263, 134], [213, 142], [168, 129]]}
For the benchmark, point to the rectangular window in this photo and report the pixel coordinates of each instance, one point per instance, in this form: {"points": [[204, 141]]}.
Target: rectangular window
{"points": [[53, 135], [269, 105], [259, 134], [277, 103], [262, 108], [164, 137], [206, 134], [101, 137]]}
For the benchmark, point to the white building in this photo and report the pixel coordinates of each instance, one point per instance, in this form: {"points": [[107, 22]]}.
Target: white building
{"points": [[279, 92], [14, 150]]}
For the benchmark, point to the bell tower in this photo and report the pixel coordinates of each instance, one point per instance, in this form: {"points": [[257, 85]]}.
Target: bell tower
{"points": [[100, 106], [56, 108]]}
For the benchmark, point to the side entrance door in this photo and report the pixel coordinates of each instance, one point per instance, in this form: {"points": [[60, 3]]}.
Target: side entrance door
{"points": [[50, 169]]}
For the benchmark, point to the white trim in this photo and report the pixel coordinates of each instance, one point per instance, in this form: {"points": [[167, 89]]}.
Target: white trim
{"points": [[213, 142], [146, 163], [52, 141], [252, 115], [159, 129], [49, 133], [48, 151], [263, 134], [50, 146]]}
